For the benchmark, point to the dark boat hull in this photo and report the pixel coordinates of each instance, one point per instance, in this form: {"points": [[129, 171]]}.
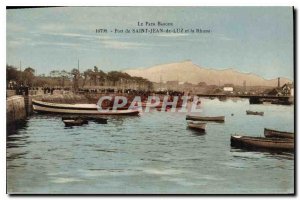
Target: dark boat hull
{"points": [[198, 118], [198, 127], [260, 143], [269, 133], [78, 122], [254, 113]]}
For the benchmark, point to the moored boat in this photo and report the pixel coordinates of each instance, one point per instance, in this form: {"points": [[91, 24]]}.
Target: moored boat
{"points": [[87, 109], [249, 112], [261, 143], [269, 133], [197, 126], [199, 118], [98, 120], [74, 122], [95, 119]]}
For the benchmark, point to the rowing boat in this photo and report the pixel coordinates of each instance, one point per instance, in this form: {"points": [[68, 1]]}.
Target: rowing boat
{"points": [[88, 109], [199, 118], [98, 120], [269, 133], [261, 143], [75, 122], [95, 119], [249, 112], [197, 126]]}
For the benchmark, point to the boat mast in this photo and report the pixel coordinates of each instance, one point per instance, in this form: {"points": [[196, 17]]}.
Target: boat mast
{"points": [[78, 66], [20, 71]]}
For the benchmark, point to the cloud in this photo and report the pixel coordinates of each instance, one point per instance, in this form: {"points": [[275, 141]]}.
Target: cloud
{"points": [[66, 34], [65, 44], [17, 41], [51, 27], [81, 41], [105, 40], [12, 27]]}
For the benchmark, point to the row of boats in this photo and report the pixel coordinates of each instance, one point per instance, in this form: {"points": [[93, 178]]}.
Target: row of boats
{"points": [[218, 118], [274, 140], [194, 123]]}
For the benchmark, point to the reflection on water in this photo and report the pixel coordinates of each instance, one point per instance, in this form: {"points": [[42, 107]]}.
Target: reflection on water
{"points": [[151, 153]]}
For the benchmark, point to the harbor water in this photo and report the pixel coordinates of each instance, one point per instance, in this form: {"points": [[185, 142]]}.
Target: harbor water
{"points": [[153, 153]]}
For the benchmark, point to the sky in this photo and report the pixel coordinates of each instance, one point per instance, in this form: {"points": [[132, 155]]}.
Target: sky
{"points": [[255, 40]]}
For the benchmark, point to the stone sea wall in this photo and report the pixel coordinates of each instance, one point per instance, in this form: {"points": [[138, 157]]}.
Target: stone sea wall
{"points": [[15, 109]]}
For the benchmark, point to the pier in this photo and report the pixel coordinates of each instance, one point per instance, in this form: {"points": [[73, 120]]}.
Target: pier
{"points": [[15, 110], [18, 106], [255, 99]]}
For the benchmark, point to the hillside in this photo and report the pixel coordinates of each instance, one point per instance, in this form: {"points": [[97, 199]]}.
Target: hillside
{"points": [[186, 71]]}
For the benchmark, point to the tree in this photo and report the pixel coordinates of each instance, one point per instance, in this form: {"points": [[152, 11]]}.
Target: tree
{"points": [[41, 81], [101, 76], [54, 73], [76, 76], [28, 76], [64, 75], [115, 76], [58, 77], [96, 69], [12, 74], [93, 76], [86, 74]]}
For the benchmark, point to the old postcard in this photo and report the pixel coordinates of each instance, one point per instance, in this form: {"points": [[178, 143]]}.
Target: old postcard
{"points": [[150, 100]]}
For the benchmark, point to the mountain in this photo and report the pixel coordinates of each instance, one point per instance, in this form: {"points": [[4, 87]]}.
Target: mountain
{"points": [[186, 71]]}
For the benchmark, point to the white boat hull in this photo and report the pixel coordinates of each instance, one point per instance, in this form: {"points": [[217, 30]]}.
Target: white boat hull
{"points": [[88, 109]]}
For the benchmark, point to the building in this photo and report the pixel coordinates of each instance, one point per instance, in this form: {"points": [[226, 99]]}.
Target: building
{"points": [[228, 88], [288, 89], [274, 92]]}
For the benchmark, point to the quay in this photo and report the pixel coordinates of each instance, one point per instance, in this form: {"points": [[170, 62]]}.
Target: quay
{"points": [[19, 105], [254, 99]]}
